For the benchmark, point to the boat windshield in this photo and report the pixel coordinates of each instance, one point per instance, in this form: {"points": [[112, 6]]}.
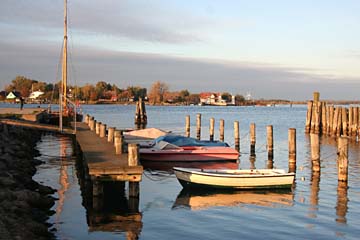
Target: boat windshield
{"points": [[182, 141]]}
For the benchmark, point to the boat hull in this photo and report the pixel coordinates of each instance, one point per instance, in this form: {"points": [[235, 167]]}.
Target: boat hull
{"points": [[233, 179], [190, 154]]}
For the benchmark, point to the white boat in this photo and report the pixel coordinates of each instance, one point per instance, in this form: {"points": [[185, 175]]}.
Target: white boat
{"points": [[234, 179]]}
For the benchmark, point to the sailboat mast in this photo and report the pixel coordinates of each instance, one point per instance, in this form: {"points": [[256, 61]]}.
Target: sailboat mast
{"points": [[64, 60]]}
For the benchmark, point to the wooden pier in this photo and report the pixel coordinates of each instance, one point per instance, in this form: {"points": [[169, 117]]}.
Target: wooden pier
{"points": [[101, 159]]}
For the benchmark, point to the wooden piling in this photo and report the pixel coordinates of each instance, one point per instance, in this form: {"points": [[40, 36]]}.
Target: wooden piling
{"points": [[317, 117], [102, 130], [270, 141], [133, 154], [292, 149], [134, 191], [339, 123], [350, 121], [97, 128], [237, 136], [355, 121], [252, 138], [187, 126], [198, 126], [344, 122], [212, 129], [315, 151], [308, 117], [336, 119], [111, 131], [342, 160], [93, 125], [323, 122], [118, 142], [331, 120], [87, 117], [316, 96], [222, 126]]}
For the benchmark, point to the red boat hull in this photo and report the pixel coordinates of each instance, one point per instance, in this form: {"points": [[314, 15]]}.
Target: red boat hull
{"points": [[187, 154]]}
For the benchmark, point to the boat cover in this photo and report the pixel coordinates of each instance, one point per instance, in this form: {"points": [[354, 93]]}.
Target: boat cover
{"points": [[182, 141]]}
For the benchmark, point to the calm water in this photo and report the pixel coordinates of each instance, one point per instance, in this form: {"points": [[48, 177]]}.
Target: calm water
{"points": [[317, 208]]}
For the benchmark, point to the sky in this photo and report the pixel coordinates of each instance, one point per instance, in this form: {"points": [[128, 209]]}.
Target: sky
{"points": [[272, 49]]}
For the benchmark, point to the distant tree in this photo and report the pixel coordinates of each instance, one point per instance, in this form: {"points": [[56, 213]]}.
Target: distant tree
{"points": [[137, 92], [22, 85], [194, 98], [88, 91], [226, 96], [157, 91], [239, 99]]}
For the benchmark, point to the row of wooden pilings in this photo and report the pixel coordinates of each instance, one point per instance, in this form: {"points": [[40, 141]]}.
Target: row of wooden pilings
{"points": [[117, 138], [252, 132], [322, 118], [340, 122]]}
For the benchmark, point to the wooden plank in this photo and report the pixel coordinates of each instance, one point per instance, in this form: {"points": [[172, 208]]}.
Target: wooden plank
{"points": [[34, 125]]}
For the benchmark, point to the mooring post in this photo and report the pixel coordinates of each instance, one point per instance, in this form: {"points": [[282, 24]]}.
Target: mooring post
{"points": [[323, 118], [92, 125], [252, 138], [187, 126], [198, 126], [292, 149], [134, 192], [212, 128], [237, 136], [222, 126], [111, 131], [317, 117], [90, 118], [315, 151], [342, 160], [97, 128], [102, 130], [133, 154], [350, 121], [308, 117], [118, 142], [270, 141], [86, 120]]}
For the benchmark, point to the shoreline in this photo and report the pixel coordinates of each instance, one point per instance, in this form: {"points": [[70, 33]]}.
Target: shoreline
{"points": [[25, 205]]}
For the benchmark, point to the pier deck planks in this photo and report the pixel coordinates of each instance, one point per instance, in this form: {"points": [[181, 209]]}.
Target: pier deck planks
{"points": [[101, 160]]}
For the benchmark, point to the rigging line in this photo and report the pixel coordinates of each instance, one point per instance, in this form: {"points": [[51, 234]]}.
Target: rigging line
{"points": [[57, 72]]}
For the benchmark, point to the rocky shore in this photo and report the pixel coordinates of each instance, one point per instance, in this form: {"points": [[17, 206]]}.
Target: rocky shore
{"points": [[24, 204]]}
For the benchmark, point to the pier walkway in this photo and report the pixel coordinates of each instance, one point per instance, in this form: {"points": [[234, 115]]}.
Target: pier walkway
{"points": [[100, 158]]}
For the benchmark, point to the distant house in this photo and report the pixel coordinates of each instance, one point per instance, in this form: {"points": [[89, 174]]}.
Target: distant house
{"points": [[36, 94], [13, 95], [210, 98]]}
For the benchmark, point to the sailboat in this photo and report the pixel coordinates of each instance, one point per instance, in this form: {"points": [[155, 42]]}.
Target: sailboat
{"points": [[67, 109]]}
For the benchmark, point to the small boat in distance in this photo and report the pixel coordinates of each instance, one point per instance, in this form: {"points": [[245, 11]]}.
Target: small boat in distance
{"points": [[170, 148], [234, 179]]}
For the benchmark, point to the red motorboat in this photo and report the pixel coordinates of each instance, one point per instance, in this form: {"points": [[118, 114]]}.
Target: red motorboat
{"points": [[187, 149]]}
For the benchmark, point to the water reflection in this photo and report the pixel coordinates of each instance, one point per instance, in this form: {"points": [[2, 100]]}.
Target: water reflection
{"points": [[114, 212], [65, 147], [111, 211], [342, 202], [199, 200], [314, 193]]}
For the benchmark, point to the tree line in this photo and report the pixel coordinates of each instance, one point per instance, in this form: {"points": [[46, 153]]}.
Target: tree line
{"points": [[102, 91]]}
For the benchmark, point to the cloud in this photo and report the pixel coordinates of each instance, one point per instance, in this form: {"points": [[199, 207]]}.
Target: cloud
{"points": [[196, 75], [141, 21]]}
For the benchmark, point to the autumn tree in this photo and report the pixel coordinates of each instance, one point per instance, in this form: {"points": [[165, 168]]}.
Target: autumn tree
{"points": [[22, 85], [137, 92], [157, 91]]}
